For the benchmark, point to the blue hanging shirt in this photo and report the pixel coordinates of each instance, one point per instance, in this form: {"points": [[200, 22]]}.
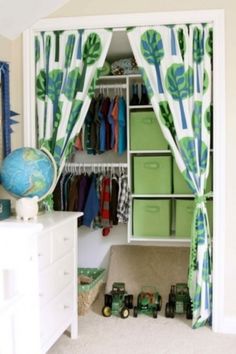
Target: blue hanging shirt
{"points": [[122, 137]]}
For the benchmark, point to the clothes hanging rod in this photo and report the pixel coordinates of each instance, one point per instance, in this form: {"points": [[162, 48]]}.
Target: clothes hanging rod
{"points": [[123, 86], [101, 164]]}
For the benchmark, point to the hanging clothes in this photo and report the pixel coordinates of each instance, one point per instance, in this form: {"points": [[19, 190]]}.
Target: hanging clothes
{"points": [[123, 199], [105, 126], [92, 204], [122, 139], [112, 124], [105, 206], [102, 197]]}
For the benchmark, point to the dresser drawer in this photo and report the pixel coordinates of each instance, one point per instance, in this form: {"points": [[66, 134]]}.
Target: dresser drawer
{"points": [[44, 250], [62, 240], [55, 278], [55, 314]]}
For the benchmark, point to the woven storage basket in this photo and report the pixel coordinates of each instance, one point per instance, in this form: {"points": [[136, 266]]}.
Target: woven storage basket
{"points": [[87, 293]]}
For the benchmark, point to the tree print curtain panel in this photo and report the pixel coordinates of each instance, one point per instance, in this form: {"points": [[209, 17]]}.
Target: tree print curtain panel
{"points": [[176, 66], [68, 64]]}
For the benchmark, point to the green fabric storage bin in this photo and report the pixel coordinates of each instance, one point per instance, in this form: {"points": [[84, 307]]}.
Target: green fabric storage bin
{"points": [[183, 218], [145, 132], [181, 186], [152, 174], [151, 218]]}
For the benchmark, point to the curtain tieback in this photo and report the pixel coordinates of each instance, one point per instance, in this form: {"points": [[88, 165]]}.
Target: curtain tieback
{"points": [[202, 198]]}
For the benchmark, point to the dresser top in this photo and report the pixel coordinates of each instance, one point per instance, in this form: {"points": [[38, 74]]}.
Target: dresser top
{"points": [[44, 221]]}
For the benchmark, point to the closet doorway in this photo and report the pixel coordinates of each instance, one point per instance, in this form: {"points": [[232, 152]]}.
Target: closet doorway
{"points": [[119, 23]]}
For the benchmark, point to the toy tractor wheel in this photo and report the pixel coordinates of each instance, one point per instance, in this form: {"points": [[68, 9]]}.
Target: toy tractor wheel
{"points": [[135, 311], [189, 313], [129, 301], [108, 300], [169, 311], [159, 306], [154, 313], [172, 294], [106, 311], [124, 312]]}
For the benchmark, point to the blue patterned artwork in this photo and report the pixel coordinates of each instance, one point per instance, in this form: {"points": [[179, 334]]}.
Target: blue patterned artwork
{"points": [[7, 121]]}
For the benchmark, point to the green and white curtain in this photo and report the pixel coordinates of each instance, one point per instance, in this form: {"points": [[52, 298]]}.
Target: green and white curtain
{"points": [[68, 64], [176, 65]]}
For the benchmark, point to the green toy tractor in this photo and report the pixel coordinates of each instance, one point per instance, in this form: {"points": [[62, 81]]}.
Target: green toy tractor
{"points": [[179, 301], [149, 302], [117, 302]]}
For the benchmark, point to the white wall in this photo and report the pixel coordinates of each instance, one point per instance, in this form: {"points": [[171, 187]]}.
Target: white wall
{"points": [[94, 248], [10, 51]]}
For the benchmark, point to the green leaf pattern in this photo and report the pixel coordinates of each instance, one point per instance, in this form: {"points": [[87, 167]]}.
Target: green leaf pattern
{"points": [[188, 153], [41, 85], [153, 52], [61, 72], [179, 83], [167, 117]]}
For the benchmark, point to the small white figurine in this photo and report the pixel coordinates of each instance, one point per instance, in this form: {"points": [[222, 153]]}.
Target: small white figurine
{"points": [[27, 208]]}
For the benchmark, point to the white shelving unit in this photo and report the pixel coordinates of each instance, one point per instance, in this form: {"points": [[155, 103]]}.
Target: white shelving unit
{"points": [[156, 239], [122, 84]]}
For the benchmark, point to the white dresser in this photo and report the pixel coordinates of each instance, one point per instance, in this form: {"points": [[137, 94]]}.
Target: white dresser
{"points": [[38, 264]]}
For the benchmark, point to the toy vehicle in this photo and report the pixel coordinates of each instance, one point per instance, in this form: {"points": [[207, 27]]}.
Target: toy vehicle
{"points": [[179, 301], [117, 302], [149, 301]]}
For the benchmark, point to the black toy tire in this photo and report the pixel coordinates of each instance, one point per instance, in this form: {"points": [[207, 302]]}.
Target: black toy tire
{"points": [[124, 312], [106, 311], [154, 313], [172, 311], [159, 306], [108, 300], [129, 301], [167, 310], [171, 298], [135, 312], [189, 313]]}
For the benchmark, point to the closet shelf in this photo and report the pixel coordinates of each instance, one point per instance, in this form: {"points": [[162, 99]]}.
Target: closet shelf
{"points": [[188, 196], [111, 86], [162, 241], [124, 77], [140, 107], [150, 152], [151, 196]]}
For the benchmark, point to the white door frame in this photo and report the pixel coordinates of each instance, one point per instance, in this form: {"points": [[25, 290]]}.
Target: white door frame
{"points": [[216, 17]]}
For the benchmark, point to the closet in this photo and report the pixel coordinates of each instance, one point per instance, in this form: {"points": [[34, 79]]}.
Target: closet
{"points": [[172, 200]]}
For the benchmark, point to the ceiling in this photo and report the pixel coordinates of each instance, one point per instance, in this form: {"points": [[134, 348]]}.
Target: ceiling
{"points": [[18, 15]]}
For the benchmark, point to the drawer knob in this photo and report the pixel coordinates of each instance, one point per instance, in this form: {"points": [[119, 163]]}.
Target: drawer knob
{"points": [[66, 307], [66, 238], [40, 294], [66, 273]]}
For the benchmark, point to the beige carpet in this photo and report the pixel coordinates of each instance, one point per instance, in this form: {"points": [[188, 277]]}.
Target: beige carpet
{"points": [[143, 335]]}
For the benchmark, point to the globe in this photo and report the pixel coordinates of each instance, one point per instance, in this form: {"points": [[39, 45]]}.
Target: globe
{"points": [[28, 172]]}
